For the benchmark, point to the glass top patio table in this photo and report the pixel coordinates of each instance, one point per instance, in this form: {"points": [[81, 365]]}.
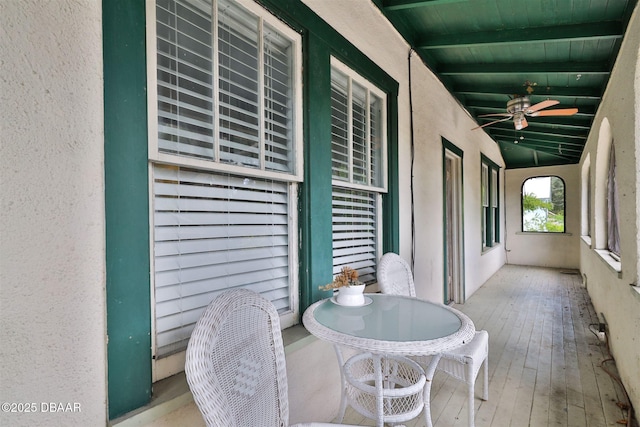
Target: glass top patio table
{"points": [[390, 324]]}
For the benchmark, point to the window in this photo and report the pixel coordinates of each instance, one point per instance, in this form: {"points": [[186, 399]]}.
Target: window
{"points": [[543, 205], [613, 222], [490, 206], [226, 161], [606, 238], [358, 147], [586, 198], [244, 70]]}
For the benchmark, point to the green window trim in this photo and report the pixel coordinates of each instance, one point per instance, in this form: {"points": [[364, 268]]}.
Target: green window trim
{"points": [[126, 206], [449, 146], [127, 180], [491, 212]]}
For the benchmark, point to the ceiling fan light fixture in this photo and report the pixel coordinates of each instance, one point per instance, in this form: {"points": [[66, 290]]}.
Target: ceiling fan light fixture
{"points": [[519, 121], [518, 104]]}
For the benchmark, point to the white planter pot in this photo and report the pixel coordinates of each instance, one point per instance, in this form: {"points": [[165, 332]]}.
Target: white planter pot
{"points": [[351, 295]]}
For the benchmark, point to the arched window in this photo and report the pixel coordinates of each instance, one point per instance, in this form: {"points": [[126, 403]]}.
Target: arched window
{"points": [[613, 221], [543, 204], [607, 235], [585, 199]]}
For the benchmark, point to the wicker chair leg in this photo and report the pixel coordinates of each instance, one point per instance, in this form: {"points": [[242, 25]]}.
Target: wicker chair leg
{"points": [[485, 392], [471, 409]]}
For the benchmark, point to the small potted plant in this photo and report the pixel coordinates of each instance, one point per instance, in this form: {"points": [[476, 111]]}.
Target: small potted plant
{"points": [[350, 289]]}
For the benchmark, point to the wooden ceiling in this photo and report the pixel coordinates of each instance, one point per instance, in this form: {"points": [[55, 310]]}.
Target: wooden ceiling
{"points": [[487, 52]]}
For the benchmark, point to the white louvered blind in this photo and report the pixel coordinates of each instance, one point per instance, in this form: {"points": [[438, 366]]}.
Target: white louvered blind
{"points": [[228, 104], [339, 126], [278, 101], [357, 136], [355, 231], [357, 147], [214, 232], [250, 78], [376, 140], [185, 78], [238, 55]]}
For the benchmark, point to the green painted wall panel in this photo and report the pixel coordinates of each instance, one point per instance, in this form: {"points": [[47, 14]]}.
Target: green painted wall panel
{"points": [[126, 202], [316, 217], [390, 201]]}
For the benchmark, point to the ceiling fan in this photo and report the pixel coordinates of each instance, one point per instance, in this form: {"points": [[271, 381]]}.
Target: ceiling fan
{"points": [[519, 107]]}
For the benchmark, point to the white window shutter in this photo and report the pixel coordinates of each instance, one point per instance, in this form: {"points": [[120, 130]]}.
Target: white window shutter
{"points": [[354, 215], [339, 126], [278, 101], [226, 161], [214, 232], [185, 82], [239, 85], [357, 147], [376, 140], [225, 90], [359, 139]]}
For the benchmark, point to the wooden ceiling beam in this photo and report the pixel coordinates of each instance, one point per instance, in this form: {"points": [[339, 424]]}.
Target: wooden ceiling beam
{"points": [[532, 130], [519, 68], [391, 5], [552, 151], [558, 33], [558, 147], [551, 122], [552, 91], [544, 142], [483, 59], [584, 111], [490, 106], [510, 132]]}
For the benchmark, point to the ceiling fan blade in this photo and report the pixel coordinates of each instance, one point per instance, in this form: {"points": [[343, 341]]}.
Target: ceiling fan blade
{"points": [[496, 115], [492, 123], [558, 112], [541, 105]]}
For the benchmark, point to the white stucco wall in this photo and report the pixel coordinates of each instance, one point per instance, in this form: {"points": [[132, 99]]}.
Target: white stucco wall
{"points": [[436, 114], [52, 304], [559, 250], [609, 290]]}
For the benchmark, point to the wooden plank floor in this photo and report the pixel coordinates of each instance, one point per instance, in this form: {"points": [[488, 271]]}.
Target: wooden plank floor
{"points": [[544, 359]]}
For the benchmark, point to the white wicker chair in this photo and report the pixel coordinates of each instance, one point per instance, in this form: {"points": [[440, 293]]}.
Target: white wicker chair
{"points": [[463, 363], [395, 276], [235, 364]]}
